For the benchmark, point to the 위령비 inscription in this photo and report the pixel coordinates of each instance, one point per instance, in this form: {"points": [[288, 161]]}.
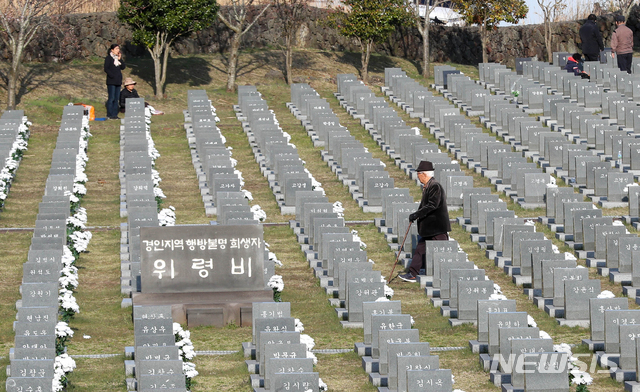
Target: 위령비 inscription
{"points": [[202, 259]]}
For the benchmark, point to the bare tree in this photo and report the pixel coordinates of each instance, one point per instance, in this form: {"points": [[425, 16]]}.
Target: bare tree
{"points": [[624, 6], [291, 15], [551, 10], [423, 25], [236, 17], [20, 22]]}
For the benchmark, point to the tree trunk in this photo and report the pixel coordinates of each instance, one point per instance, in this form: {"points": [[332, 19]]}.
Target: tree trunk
{"points": [[288, 59], [233, 62], [483, 39], [547, 40], [165, 59], [425, 48], [364, 58], [157, 69], [11, 89], [14, 72]]}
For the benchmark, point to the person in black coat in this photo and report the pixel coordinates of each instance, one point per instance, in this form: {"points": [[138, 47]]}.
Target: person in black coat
{"points": [[432, 218], [591, 39], [113, 66]]}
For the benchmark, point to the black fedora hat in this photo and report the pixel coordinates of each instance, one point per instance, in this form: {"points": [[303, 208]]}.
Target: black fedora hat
{"points": [[425, 166]]}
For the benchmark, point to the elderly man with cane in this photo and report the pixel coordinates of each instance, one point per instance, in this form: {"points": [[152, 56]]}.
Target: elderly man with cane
{"points": [[432, 218]]}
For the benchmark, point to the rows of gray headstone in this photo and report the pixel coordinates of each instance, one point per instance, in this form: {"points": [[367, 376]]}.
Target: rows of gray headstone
{"points": [[12, 123], [156, 361], [278, 158], [277, 357], [467, 286], [137, 197], [220, 183], [353, 164], [343, 268], [32, 358]]}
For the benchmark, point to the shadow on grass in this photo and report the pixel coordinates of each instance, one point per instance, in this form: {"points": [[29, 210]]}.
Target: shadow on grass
{"points": [[377, 62], [192, 71], [30, 79]]}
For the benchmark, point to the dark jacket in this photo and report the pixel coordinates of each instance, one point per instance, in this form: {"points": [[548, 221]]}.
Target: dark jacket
{"points": [[432, 214], [591, 38], [572, 66], [114, 74], [124, 94]]}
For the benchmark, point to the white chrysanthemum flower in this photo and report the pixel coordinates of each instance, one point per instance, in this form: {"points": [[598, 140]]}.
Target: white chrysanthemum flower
{"points": [[313, 357], [323, 386], [606, 294], [308, 341], [63, 330], [569, 256], [531, 321], [356, 238], [338, 209], [189, 369], [167, 217], [498, 297], [157, 192], [274, 258], [544, 335], [276, 283], [388, 291], [496, 288], [258, 213], [299, 327], [382, 299]]}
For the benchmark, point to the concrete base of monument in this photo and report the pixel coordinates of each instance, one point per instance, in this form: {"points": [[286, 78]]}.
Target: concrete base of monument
{"points": [[129, 367], [337, 302], [286, 210], [574, 245], [253, 366], [554, 311], [595, 263], [370, 365], [594, 345], [485, 361], [564, 236], [439, 302], [478, 237], [214, 308], [613, 204], [523, 281], [257, 382], [362, 349], [604, 271], [630, 291], [608, 361], [378, 380], [585, 254], [620, 277], [491, 254], [132, 384], [478, 347], [352, 324], [501, 262], [447, 311], [431, 292], [249, 350], [511, 270], [342, 313], [498, 378], [573, 323], [632, 386], [630, 219], [541, 302], [510, 388]]}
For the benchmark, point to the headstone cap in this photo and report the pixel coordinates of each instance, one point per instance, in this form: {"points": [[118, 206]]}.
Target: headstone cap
{"points": [[425, 166]]}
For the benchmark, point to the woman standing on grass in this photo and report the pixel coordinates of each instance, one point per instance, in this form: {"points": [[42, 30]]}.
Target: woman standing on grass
{"points": [[113, 66]]}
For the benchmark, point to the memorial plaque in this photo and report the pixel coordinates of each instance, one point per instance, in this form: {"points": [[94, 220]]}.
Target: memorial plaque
{"points": [[286, 366], [613, 320], [294, 382], [597, 307], [377, 308], [496, 321], [22, 384], [399, 356], [550, 372], [576, 298], [202, 259], [469, 292], [429, 380], [491, 306]]}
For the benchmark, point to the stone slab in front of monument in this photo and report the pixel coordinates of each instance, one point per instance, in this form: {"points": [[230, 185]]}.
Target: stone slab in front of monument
{"points": [[203, 269]]}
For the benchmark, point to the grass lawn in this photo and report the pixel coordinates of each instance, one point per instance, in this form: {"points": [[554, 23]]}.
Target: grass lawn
{"points": [[102, 327]]}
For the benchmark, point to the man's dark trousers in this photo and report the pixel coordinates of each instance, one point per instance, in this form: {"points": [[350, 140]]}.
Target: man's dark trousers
{"points": [[418, 254]]}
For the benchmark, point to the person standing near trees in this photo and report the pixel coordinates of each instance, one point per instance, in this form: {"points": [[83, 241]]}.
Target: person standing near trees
{"points": [[432, 217], [113, 66], [591, 39], [622, 44]]}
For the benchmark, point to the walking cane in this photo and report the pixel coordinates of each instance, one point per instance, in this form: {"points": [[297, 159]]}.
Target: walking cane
{"points": [[400, 250]]}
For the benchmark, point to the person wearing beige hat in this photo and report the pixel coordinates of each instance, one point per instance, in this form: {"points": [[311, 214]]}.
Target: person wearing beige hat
{"points": [[129, 91]]}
